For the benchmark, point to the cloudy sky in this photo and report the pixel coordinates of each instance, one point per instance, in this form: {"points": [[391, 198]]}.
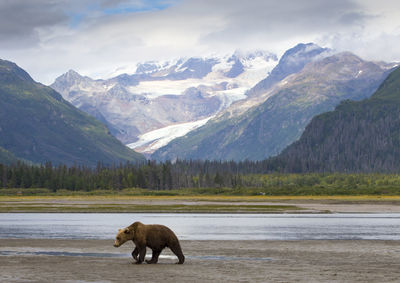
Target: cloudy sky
{"points": [[95, 37]]}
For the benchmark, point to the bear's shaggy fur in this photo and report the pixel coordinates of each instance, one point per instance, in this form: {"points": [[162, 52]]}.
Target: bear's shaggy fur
{"points": [[154, 236]]}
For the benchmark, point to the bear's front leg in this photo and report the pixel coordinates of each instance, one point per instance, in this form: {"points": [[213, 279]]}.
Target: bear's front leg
{"points": [[135, 253], [142, 254]]}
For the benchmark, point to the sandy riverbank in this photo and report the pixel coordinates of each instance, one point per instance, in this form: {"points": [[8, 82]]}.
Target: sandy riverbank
{"points": [[207, 261]]}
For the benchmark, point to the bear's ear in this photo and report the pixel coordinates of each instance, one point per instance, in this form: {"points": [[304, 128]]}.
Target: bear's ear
{"points": [[126, 231], [119, 230]]}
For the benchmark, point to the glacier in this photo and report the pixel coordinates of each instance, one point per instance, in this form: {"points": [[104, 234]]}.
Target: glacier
{"points": [[153, 140]]}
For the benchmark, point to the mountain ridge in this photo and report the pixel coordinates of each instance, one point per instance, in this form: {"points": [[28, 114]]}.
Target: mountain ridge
{"points": [[291, 62], [358, 136], [38, 125]]}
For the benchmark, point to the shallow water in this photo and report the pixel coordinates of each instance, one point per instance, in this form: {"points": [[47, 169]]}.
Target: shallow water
{"points": [[205, 226]]}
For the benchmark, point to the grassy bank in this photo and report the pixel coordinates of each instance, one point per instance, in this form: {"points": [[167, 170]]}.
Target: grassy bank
{"points": [[184, 204], [279, 191], [213, 200], [198, 198], [141, 208]]}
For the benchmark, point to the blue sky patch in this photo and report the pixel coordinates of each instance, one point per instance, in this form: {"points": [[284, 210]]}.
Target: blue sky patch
{"points": [[143, 6], [78, 16]]}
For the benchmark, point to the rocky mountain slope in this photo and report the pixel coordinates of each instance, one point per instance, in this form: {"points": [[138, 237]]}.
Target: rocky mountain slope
{"points": [[361, 136], [38, 125], [162, 94], [292, 61], [253, 130]]}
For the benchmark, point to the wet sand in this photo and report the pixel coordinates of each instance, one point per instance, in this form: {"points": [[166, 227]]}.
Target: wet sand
{"points": [[206, 261]]}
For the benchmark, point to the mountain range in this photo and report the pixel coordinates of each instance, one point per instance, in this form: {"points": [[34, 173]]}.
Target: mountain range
{"points": [[37, 125], [314, 110], [158, 101], [232, 107], [279, 107]]}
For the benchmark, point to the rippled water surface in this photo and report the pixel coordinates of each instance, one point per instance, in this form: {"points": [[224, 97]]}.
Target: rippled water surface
{"points": [[205, 226]]}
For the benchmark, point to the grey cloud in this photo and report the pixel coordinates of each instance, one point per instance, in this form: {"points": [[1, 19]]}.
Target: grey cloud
{"points": [[285, 18], [354, 18], [102, 41], [19, 19], [111, 3]]}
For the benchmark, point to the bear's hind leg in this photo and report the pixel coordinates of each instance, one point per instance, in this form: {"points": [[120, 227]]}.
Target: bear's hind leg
{"points": [[154, 257], [176, 249]]}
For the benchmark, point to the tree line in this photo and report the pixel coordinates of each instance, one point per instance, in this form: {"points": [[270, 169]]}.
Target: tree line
{"points": [[150, 175], [184, 174]]}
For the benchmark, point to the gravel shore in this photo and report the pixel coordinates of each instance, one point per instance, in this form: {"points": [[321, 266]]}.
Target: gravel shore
{"points": [[42, 260]]}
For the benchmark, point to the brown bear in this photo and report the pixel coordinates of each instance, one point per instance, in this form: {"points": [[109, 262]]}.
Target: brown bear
{"points": [[154, 236]]}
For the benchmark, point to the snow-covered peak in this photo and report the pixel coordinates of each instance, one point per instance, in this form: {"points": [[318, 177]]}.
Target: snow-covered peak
{"points": [[197, 66], [150, 67], [228, 77], [251, 55]]}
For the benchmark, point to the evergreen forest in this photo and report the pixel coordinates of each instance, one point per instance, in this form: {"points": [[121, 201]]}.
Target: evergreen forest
{"points": [[202, 177]]}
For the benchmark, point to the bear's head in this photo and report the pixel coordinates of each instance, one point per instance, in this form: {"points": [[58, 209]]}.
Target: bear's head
{"points": [[123, 235]]}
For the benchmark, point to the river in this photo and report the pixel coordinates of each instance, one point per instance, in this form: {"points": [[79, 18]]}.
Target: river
{"points": [[205, 226]]}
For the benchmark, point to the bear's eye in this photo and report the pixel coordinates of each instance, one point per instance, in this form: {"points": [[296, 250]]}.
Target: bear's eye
{"points": [[118, 238]]}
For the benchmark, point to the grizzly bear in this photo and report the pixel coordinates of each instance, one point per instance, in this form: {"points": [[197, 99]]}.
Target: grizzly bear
{"points": [[154, 236]]}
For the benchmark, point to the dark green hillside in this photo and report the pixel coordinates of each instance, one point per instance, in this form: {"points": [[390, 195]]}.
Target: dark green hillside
{"points": [[356, 136], [37, 124]]}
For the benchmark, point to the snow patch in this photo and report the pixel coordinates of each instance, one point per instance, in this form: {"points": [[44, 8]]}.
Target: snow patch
{"points": [[153, 89]]}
